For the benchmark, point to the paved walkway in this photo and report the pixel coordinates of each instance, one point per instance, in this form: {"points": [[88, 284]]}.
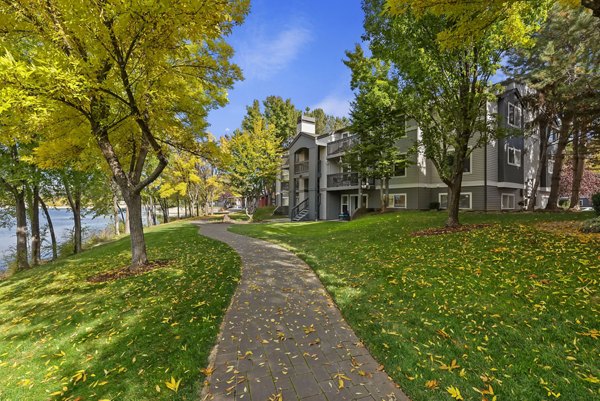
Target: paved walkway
{"points": [[284, 339]]}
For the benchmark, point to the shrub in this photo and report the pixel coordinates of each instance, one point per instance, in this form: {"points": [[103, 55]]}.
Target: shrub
{"points": [[596, 203], [434, 206], [591, 226]]}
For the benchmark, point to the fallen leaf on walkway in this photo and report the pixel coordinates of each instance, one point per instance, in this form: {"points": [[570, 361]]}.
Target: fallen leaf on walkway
{"points": [[340, 379], [276, 397], [309, 329]]}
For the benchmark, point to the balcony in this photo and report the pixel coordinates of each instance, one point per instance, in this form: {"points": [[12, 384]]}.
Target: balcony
{"points": [[301, 167], [341, 180], [285, 161], [341, 145]]}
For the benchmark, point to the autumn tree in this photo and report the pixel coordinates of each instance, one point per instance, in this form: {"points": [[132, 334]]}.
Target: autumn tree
{"points": [[251, 160], [473, 18], [139, 75], [377, 120]]}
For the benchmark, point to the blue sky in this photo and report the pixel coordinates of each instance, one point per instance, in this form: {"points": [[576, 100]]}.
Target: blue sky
{"points": [[293, 49]]}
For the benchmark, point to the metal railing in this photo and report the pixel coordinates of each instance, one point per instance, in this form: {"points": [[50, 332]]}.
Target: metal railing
{"points": [[300, 207], [301, 167], [342, 180], [341, 145]]}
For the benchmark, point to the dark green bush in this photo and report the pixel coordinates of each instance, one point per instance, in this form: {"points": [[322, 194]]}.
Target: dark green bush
{"points": [[591, 225], [434, 206], [596, 203]]}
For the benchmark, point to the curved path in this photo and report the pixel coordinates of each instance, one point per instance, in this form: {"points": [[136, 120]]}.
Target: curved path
{"points": [[283, 336]]}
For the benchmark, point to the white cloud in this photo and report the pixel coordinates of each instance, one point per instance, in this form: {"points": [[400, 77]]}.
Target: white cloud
{"points": [[334, 105], [263, 57]]}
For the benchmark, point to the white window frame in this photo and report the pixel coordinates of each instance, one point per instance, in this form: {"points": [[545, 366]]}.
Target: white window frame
{"points": [[461, 194], [504, 206], [520, 113], [347, 197], [470, 165], [391, 202], [516, 159]]}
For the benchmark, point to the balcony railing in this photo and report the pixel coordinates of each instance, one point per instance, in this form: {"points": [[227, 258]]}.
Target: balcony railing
{"points": [[301, 167], [341, 145], [341, 180]]}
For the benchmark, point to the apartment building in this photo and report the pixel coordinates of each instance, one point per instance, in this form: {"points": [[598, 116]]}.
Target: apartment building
{"points": [[314, 185]]}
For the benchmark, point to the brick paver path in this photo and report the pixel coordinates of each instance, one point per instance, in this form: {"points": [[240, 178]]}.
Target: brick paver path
{"points": [[283, 337]]}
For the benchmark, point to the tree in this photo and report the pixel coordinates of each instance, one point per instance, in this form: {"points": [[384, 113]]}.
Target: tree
{"points": [[283, 115], [251, 160], [377, 120], [138, 75], [446, 89], [324, 122], [473, 18], [253, 114], [589, 183], [563, 67]]}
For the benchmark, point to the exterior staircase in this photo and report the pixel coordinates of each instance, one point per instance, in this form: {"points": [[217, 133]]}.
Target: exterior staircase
{"points": [[300, 211], [301, 216]]}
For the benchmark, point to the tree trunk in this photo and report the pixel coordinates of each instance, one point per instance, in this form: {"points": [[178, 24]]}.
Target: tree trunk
{"points": [[454, 202], [74, 199], [559, 157], [178, 216], [50, 228], [36, 244], [382, 196], [164, 207], [116, 219], [136, 229], [126, 221], [22, 262], [543, 157], [579, 149]]}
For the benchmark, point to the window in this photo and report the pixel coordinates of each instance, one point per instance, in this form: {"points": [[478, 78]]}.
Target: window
{"points": [[514, 115], [550, 166], [400, 168], [467, 167], [397, 201], [508, 201], [514, 156], [581, 202], [464, 203]]}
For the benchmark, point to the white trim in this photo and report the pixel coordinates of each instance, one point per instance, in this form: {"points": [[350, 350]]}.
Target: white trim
{"points": [[517, 160], [391, 201], [477, 183], [505, 207], [520, 115], [461, 194]]}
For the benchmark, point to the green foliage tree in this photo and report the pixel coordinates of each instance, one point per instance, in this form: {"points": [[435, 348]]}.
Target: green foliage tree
{"points": [[446, 89], [283, 115], [377, 121], [324, 122], [563, 67], [138, 75], [472, 19], [251, 160]]}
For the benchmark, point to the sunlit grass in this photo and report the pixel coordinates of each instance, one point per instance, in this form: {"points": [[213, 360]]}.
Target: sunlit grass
{"points": [[516, 304], [62, 337]]}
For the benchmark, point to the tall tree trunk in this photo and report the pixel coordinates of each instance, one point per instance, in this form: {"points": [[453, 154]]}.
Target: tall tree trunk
{"points": [[543, 161], [127, 218], [74, 199], [579, 150], [22, 262], [559, 157], [383, 198], [116, 219], [164, 207], [50, 228], [454, 202], [178, 216], [34, 213], [136, 229]]}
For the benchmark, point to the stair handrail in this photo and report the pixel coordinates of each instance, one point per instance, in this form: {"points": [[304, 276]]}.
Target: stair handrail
{"points": [[300, 207]]}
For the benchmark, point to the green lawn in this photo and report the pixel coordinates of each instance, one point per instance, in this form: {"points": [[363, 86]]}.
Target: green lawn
{"points": [[63, 338], [516, 307]]}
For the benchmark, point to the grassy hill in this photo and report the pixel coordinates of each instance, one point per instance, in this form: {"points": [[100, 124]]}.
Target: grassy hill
{"points": [[62, 337]]}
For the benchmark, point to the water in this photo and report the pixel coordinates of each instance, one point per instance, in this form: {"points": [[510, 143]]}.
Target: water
{"points": [[62, 219]]}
